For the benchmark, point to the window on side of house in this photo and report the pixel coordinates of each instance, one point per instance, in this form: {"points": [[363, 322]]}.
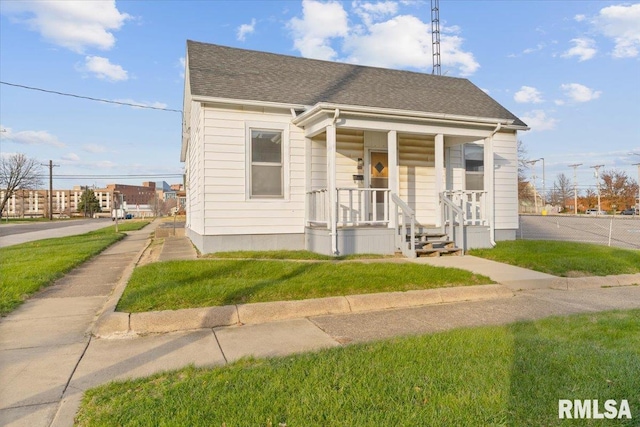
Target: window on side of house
{"points": [[266, 180], [474, 167]]}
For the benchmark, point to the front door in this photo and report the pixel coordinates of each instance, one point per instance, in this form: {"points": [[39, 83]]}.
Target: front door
{"points": [[378, 178]]}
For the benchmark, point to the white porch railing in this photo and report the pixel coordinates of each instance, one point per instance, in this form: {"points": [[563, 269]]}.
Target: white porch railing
{"points": [[472, 203], [362, 206], [317, 207], [354, 207]]}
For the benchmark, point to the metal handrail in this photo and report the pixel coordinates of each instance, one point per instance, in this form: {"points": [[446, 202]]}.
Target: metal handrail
{"points": [[403, 211], [449, 212]]}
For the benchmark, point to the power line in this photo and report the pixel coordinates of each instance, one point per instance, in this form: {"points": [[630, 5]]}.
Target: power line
{"points": [[108, 101]]}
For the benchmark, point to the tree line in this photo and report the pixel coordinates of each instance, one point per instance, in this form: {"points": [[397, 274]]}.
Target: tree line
{"points": [[618, 191]]}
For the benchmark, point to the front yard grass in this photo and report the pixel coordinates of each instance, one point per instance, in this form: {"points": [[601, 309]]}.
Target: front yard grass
{"points": [[566, 259], [29, 267], [510, 375], [297, 255], [175, 285]]}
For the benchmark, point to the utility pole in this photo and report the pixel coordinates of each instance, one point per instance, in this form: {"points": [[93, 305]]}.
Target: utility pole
{"points": [[575, 188], [637, 210], [51, 166], [596, 174], [535, 193]]}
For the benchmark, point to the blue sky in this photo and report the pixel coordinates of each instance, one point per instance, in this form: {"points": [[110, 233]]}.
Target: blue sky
{"points": [[569, 69]]}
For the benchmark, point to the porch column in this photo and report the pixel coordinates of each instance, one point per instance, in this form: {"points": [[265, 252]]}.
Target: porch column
{"points": [[307, 178], [331, 185], [394, 172], [439, 178], [489, 183]]}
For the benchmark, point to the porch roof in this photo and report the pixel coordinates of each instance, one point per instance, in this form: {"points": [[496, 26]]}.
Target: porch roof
{"points": [[230, 73]]}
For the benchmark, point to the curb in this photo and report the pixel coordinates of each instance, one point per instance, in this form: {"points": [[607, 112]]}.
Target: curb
{"points": [[593, 282], [116, 324]]}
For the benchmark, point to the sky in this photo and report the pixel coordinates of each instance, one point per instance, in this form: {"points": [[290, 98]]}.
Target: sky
{"points": [[569, 69]]}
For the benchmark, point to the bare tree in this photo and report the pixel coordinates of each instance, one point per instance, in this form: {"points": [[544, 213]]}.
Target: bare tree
{"points": [[562, 191], [18, 171], [525, 195]]}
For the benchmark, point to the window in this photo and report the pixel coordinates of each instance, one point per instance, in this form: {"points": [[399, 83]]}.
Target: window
{"points": [[266, 179], [474, 166]]}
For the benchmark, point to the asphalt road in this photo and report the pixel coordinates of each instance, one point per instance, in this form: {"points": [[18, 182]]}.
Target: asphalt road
{"points": [[618, 231], [16, 233]]}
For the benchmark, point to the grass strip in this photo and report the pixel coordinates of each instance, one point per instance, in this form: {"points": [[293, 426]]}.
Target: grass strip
{"points": [[510, 375], [566, 259], [28, 267], [175, 285], [295, 255]]}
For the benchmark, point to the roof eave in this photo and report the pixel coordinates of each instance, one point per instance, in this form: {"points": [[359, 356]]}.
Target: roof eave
{"points": [[251, 102], [324, 107]]}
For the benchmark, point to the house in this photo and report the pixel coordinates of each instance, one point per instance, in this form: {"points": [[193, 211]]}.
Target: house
{"points": [[284, 152]]}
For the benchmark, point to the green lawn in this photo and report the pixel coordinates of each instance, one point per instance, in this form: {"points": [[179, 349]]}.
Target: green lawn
{"points": [[29, 267], [187, 284], [566, 259], [509, 375]]}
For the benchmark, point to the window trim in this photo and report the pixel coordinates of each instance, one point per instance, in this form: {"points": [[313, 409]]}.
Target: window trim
{"points": [[283, 128]]}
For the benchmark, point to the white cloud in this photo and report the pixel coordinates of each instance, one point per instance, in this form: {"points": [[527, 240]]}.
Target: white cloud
{"points": [[71, 157], [538, 47], [75, 25], [579, 18], [622, 24], [583, 48], [399, 42], [141, 104], [320, 23], [580, 93], [245, 29], [537, 120], [528, 94], [381, 39], [371, 12], [94, 148], [104, 69], [31, 137]]}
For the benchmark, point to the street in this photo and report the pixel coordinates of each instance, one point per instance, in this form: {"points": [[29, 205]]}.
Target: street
{"points": [[13, 234], [618, 231]]}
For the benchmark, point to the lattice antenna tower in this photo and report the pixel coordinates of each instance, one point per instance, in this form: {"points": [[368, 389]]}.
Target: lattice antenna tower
{"points": [[435, 36]]}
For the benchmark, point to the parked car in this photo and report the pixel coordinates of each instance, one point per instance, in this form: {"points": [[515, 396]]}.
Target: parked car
{"points": [[630, 211], [594, 212]]}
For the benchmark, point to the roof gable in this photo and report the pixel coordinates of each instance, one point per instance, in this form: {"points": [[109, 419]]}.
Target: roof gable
{"points": [[224, 72]]}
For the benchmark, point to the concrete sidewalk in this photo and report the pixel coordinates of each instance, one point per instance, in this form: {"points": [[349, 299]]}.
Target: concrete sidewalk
{"points": [[46, 370]]}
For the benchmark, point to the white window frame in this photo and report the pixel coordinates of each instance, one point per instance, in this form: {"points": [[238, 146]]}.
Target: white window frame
{"points": [[273, 127], [464, 161]]}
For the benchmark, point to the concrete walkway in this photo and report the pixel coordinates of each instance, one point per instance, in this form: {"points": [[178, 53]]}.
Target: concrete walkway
{"points": [[48, 356]]}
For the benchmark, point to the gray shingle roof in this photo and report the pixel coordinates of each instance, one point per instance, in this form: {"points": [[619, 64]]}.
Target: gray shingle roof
{"points": [[225, 72]]}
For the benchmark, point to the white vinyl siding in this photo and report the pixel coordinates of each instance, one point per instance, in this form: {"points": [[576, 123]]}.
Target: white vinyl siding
{"points": [[195, 171], [228, 208]]}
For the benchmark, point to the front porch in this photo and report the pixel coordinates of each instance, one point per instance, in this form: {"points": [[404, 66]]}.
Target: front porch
{"points": [[378, 184], [365, 220]]}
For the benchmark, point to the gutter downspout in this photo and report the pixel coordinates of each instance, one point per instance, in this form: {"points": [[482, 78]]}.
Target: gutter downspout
{"points": [[333, 191], [492, 230]]}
